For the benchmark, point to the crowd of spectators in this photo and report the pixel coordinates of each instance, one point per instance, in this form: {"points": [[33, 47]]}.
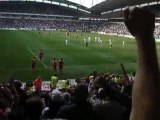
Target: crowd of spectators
{"points": [[37, 24], [157, 31], [50, 24], [95, 97], [121, 29], [41, 8], [115, 28]]}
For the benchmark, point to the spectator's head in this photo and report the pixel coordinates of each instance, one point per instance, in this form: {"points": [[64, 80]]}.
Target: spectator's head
{"points": [[101, 93], [29, 84], [86, 80], [91, 78], [99, 82], [56, 95], [1, 90], [66, 96], [2, 105], [34, 108], [56, 101], [17, 84], [45, 96], [133, 73], [81, 93], [106, 75], [77, 80], [94, 73]]}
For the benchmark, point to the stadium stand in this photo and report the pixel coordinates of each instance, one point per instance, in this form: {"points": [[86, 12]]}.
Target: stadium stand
{"points": [[115, 28], [43, 16], [31, 15], [35, 24]]}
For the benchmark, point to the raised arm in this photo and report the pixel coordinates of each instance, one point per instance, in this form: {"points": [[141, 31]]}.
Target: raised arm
{"points": [[146, 88], [126, 78]]}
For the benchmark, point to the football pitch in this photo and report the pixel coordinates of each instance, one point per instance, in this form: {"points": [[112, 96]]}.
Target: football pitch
{"points": [[19, 47]]}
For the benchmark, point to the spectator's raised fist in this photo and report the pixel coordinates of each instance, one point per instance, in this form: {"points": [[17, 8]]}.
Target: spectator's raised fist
{"points": [[139, 22]]}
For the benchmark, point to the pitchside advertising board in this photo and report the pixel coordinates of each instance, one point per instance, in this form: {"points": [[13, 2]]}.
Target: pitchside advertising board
{"points": [[46, 84]]}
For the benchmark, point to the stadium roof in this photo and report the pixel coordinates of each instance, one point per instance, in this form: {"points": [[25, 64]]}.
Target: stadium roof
{"points": [[65, 3], [100, 6], [87, 3], [70, 3], [109, 5]]}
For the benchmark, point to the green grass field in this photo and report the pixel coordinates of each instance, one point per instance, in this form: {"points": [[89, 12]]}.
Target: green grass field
{"points": [[79, 61]]}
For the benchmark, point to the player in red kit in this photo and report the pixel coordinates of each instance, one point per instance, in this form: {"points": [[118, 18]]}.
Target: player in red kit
{"points": [[54, 65], [38, 84], [33, 64], [41, 54], [61, 64]]}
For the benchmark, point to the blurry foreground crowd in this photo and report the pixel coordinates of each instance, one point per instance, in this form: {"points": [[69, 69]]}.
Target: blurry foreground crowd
{"points": [[96, 97]]}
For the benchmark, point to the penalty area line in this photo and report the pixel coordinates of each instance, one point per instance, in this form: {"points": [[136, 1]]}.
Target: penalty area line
{"points": [[31, 52]]}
